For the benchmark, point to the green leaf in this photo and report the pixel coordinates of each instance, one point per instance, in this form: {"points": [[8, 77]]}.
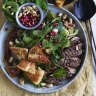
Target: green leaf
{"points": [[27, 39], [42, 4], [36, 32], [50, 15], [59, 73], [74, 32], [13, 4], [9, 17], [45, 43]]}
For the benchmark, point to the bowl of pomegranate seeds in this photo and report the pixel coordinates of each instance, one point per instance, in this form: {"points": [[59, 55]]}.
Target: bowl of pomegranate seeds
{"points": [[29, 16]]}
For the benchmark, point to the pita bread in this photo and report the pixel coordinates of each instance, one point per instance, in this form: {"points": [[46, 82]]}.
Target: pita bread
{"points": [[27, 66], [21, 53], [37, 55]]}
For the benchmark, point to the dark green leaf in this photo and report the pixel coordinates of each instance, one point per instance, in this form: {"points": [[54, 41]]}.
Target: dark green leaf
{"points": [[59, 73]]}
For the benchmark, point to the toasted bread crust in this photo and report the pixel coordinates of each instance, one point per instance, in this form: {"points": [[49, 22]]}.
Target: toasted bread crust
{"points": [[37, 77], [20, 52], [27, 66]]}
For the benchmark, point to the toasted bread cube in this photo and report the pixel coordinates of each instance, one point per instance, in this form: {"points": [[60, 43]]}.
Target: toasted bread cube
{"points": [[27, 66], [21, 53], [37, 55], [37, 77]]}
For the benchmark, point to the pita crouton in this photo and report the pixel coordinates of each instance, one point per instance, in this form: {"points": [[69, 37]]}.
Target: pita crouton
{"points": [[13, 71], [27, 66], [21, 53], [37, 77], [37, 55]]}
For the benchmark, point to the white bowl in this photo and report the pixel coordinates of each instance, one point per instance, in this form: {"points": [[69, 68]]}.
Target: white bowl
{"points": [[29, 28]]}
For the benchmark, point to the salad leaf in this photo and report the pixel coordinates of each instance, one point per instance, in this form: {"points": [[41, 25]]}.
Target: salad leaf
{"points": [[73, 32], [59, 73], [26, 39], [42, 4], [45, 43], [50, 15], [13, 4]]}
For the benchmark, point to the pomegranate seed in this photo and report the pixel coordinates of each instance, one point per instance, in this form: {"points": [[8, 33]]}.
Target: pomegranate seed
{"points": [[53, 33], [55, 24]]}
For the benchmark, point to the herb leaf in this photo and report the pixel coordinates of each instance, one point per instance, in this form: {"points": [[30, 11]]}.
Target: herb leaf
{"points": [[59, 73]]}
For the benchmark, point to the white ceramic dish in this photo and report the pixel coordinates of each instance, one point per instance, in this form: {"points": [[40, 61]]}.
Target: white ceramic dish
{"points": [[29, 87]]}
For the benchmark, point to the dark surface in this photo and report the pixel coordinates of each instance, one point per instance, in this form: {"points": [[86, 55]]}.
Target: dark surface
{"points": [[84, 9]]}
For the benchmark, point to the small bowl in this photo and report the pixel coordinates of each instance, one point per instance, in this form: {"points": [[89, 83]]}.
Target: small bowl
{"points": [[35, 26]]}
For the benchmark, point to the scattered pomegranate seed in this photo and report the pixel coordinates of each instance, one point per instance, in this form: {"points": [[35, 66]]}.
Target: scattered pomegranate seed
{"points": [[53, 33], [55, 24]]}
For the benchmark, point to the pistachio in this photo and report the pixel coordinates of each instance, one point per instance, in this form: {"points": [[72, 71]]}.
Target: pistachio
{"points": [[9, 7], [43, 84], [16, 41], [48, 51], [21, 81], [20, 14], [34, 7], [11, 59], [29, 7], [12, 13], [60, 14], [64, 16], [11, 43], [70, 21], [49, 85]]}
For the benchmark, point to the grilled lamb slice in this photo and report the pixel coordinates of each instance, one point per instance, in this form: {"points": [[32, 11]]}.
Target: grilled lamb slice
{"points": [[21, 53], [27, 66], [37, 77], [52, 80], [75, 41], [73, 51], [73, 62]]}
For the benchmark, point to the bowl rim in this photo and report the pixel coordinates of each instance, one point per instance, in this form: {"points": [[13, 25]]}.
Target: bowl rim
{"points": [[83, 63], [41, 16]]}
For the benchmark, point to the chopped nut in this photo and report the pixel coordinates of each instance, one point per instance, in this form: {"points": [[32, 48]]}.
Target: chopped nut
{"points": [[9, 7], [48, 51], [60, 14], [66, 23], [34, 7], [64, 16], [43, 84], [39, 68], [29, 7], [11, 43], [16, 41], [21, 81], [43, 24], [70, 21], [12, 13], [20, 14], [49, 85], [11, 59]]}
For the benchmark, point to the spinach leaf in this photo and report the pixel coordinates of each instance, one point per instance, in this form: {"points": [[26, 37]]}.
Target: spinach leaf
{"points": [[50, 15], [42, 4], [73, 32], [13, 4], [26, 39], [59, 73]]}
